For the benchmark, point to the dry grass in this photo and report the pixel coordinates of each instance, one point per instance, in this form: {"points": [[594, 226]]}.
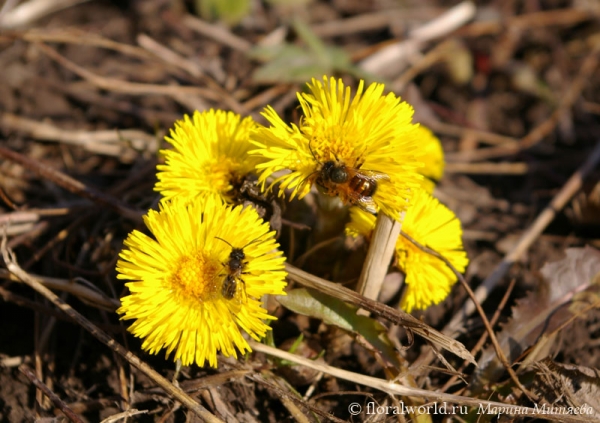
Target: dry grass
{"points": [[90, 88]]}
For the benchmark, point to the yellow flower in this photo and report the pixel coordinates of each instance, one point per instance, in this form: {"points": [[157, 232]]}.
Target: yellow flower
{"points": [[340, 136], [181, 296], [210, 156], [431, 155], [433, 225]]}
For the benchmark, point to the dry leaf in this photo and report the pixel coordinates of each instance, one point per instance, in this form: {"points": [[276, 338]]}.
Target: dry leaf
{"points": [[543, 310], [567, 385]]}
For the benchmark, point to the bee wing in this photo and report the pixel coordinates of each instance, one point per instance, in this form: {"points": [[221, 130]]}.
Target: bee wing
{"points": [[374, 174], [367, 204]]}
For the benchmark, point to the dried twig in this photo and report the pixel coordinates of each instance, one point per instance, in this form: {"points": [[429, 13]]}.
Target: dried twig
{"points": [[290, 398], [218, 33], [74, 36], [19, 228], [389, 60], [84, 92], [7, 6], [484, 335], [587, 69], [399, 317], [177, 92], [486, 322], [4, 197], [57, 238], [533, 232], [12, 361], [379, 256], [393, 388], [488, 168], [267, 96], [124, 415], [540, 348], [32, 215], [87, 295], [167, 55], [175, 59], [433, 56], [372, 21], [299, 262], [462, 132], [541, 19], [34, 232], [71, 184], [33, 10], [9, 296], [125, 144], [48, 392]]}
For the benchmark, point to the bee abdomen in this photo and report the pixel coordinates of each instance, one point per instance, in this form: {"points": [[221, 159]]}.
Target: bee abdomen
{"points": [[363, 185], [229, 287]]}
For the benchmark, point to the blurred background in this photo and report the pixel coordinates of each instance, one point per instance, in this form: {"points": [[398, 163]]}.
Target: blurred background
{"points": [[89, 88]]}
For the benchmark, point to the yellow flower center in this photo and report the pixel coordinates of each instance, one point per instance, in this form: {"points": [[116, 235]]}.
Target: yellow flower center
{"points": [[224, 174], [333, 147], [406, 252], [197, 276]]}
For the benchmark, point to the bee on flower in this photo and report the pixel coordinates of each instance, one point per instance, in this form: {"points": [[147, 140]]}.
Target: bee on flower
{"points": [[430, 223], [209, 157], [185, 295], [361, 148]]}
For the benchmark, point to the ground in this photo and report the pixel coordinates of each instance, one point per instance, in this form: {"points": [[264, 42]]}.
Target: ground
{"points": [[88, 93]]}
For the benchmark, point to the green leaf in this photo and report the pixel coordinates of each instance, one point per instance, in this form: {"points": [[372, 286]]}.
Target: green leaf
{"points": [[289, 3], [296, 344], [313, 42], [332, 311], [287, 63], [290, 63], [228, 11]]}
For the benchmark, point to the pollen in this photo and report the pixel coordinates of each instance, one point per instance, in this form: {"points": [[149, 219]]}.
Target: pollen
{"points": [[196, 276]]}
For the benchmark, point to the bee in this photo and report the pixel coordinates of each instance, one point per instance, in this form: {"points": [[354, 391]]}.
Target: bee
{"points": [[353, 185], [230, 286], [234, 265]]}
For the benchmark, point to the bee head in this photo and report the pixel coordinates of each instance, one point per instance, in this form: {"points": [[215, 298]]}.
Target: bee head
{"points": [[236, 257], [334, 172]]}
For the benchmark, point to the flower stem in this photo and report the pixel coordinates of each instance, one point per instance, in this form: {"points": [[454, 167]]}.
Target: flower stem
{"points": [[379, 256]]}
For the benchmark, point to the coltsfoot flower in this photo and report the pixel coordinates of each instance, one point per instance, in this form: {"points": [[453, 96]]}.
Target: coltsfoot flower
{"points": [[433, 225], [186, 295], [210, 156], [361, 149], [431, 154]]}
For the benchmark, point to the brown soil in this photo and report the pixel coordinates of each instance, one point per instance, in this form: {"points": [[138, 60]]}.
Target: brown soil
{"points": [[524, 70]]}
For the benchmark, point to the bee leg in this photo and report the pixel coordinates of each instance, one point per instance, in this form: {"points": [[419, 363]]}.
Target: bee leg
{"points": [[244, 296]]}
